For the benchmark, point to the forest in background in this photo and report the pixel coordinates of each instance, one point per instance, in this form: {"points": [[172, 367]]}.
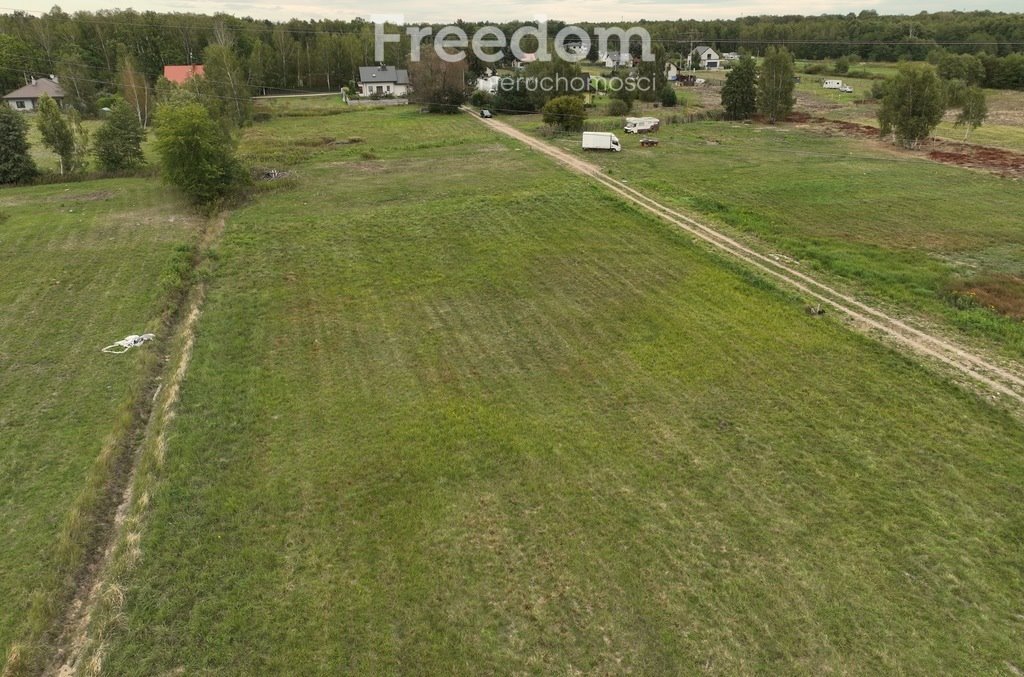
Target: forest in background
{"points": [[87, 49]]}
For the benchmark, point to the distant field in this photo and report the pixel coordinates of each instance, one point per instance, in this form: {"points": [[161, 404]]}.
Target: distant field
{"points": [[903, 230], [1004, 127], [453, 410], [83, 265]]}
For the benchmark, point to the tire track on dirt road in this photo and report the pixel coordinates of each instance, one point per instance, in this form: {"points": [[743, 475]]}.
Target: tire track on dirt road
{"points": [[982, 371]]}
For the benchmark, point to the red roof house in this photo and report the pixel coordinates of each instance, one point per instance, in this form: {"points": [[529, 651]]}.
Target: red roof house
{"points": [[179, 74]]}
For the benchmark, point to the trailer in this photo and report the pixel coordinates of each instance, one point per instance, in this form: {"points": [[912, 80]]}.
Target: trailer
{"points": [[641, 125], [601, 141], [832, 84]]}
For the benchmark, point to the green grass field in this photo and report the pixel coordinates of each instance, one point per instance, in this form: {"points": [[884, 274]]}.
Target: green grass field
{"points": [[83, 265], [453, 410], [902, 230], [48, 161]]}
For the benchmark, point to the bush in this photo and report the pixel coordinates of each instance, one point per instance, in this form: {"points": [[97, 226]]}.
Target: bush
{"points": [[196, 154], [618, 107], [815, 69], [565, 112], [16, 165], [56, 133], [118, 143], [513, 97], [481, 99], [669, 99]]}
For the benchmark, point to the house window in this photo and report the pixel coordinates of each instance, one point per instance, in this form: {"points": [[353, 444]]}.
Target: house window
{"points": [[19, 104]]}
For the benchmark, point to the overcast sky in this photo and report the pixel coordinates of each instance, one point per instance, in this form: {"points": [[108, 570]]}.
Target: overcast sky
{"points": [[415, 11]]}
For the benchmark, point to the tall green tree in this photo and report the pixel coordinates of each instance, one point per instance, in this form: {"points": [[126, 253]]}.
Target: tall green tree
{"points": [[136, 91], [197, 155], [651, 75], [56, 132], [14, 57], [973, 111], [77, 80], [913, 104], [228, 90], [438, 85], [739, 94], [775, 84], [118, 141], [16, 165]]}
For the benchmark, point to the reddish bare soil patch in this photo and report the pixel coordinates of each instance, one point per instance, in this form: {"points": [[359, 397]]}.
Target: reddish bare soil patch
{"points": [[995, 160], [1000, 292], [985, 158]]}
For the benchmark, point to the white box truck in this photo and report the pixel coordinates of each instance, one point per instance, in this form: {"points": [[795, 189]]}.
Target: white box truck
{"points": [[601, 141]]}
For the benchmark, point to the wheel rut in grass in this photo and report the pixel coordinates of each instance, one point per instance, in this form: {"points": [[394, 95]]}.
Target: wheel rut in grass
{"points": [[99, 597], [982, 372]]}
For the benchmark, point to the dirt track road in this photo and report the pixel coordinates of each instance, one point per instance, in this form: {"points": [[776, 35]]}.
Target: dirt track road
{"points": [[1003, 380]]}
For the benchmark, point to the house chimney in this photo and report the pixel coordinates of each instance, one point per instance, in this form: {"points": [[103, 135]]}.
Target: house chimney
{"points": [[33, 79]]}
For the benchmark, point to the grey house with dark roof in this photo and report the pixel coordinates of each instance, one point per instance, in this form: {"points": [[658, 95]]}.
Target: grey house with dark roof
{"points": [[27, 98], [383, 80]]}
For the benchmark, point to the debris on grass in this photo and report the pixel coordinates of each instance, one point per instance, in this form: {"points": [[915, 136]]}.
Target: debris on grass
{"points": [[273, 174], [127, 343]]}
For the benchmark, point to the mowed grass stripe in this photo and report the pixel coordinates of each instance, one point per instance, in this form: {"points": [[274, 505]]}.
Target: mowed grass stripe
{"points": [[84, 265], [552, 436]]}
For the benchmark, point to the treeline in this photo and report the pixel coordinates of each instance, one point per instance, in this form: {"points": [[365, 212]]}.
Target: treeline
{"points": [[86, 49], [867, 34]]}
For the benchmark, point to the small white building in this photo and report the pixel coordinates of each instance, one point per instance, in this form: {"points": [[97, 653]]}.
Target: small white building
{"points": [[671, 72], [27, 98], [616, 59], [709, 58], [488, 84], [520, 64], [576, 49], [383, 81]]}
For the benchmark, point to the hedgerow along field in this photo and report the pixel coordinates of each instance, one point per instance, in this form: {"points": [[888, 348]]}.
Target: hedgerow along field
{"points": [[455, 410], [84, 264], [900, 230]]}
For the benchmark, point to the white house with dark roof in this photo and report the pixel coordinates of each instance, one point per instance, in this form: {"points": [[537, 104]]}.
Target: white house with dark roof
{"points": [[383, 81], [709, 58], [27, 98]]}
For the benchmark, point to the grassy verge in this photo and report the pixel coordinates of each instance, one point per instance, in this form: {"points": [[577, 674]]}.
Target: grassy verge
{"points": [[453, 410], [86, 265]]}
